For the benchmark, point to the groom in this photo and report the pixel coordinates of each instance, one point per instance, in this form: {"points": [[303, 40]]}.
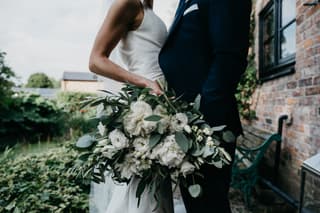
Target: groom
{"points": [[205, 53]]}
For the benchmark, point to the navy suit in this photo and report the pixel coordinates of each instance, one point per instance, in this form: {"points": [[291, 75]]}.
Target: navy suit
{"points": [[205, 53]]}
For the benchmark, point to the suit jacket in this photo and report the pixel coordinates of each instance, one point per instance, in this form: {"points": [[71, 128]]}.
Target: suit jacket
{"points": [[206, 53]]}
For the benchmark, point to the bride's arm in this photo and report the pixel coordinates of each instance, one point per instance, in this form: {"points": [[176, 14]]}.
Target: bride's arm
{"points": [[121, 18]]}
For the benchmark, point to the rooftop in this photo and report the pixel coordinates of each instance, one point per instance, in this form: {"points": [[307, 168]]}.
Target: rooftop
{"points": [[79, 76]]}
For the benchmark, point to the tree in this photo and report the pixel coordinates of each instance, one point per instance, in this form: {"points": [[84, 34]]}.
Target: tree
{"points": [[6, 84], [39, 80], [56, 83]]}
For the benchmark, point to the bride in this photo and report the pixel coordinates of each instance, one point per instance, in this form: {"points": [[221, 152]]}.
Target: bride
{"points": [[139, 35]]}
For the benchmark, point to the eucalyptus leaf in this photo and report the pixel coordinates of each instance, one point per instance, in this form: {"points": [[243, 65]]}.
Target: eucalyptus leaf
{"points": [[190, 144], [218, 128], [197, 152], [228, 136], [207, 151], [154, 140], [182, 141], [85, 142], [193, 118], [197, 102], [154, 118], [198, 122], [218, 164], [141, 186], [195, 190]]}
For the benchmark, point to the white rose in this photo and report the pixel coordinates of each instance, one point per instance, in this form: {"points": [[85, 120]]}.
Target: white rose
{"points": [[187, 168], [178, 122], [101, 129], [118, 139], [141, 145], [164, 123], [128, 167], [134, 121], [160, 110], [148, 127], [168, 152]]}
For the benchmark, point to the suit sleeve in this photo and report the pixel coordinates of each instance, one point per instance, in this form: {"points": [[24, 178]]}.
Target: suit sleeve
{"points": [[228, 23]]}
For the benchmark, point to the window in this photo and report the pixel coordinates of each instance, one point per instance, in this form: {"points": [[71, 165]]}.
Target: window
{"points": [[277, 39]]}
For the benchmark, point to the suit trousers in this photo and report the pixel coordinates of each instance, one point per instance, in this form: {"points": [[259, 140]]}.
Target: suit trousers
{"points": [[215, 185]]}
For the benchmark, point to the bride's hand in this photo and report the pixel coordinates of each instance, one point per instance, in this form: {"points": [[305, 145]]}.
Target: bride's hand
{"points": [[154, 86]]}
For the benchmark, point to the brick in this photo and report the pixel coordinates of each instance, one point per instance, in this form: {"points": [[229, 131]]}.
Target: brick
{"points": [[306, 101], [292, 101], [305, 82], [316, 80], [297, 93], [313, 91], [307, 43], [313, 10]]}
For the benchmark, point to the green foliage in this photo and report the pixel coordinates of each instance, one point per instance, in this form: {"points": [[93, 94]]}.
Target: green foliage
{"points": [[55, 83], [39, 80], [31, 117], [6, 74], [246, 88], [249, 81], [71, 102], [41, 183], [79, 118]]}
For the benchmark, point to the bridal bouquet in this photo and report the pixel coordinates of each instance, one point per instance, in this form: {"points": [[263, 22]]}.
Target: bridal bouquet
{"points": [[150, 137]]}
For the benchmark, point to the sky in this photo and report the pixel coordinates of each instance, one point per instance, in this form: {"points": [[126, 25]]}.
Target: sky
{"points": [[55, 36]]}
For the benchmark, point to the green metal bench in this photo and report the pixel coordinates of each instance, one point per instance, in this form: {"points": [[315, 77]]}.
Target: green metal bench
{"points": [[245, 173], [245, 170]]}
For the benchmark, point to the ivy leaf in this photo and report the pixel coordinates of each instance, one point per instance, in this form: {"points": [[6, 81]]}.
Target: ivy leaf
{"points": [[154, 140], [195, 190], [85, 142], [154, 118], [228, 136], [182, 141]]}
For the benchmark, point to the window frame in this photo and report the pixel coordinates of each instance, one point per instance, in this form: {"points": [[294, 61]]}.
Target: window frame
{"points": [[281, 66]]}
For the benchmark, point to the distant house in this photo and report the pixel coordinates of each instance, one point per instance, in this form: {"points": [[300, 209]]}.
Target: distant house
{"points": [[80, 82]]}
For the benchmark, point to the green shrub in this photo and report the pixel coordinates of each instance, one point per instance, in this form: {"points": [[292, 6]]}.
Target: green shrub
{"points": [[71, 102], [31, 117], [79, 119], [41, 183]]}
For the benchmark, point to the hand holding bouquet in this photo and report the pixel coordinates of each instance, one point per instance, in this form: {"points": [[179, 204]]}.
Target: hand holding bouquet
{"points": [[150, 137]]}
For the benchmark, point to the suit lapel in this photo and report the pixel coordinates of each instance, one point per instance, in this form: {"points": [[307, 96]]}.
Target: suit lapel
{"points": [[181, 8]]}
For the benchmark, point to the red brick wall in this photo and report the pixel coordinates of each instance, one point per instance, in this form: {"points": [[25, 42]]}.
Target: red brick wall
{"points": [[298, 95]]}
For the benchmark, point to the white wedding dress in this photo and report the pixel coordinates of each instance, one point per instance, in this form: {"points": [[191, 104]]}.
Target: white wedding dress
{"points": [[139, 51]]}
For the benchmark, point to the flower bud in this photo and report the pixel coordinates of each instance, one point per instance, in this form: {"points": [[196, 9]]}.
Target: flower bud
{"points": [[187, 129]]}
